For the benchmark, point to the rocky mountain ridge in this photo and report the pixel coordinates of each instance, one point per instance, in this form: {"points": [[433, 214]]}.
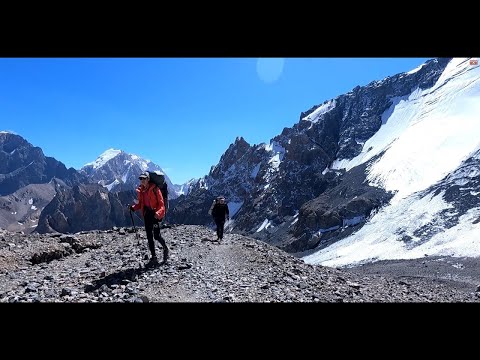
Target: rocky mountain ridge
{"points": [[22, 164]]}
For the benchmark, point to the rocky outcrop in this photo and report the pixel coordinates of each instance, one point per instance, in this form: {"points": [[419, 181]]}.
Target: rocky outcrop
{"points": [[85, 207]]}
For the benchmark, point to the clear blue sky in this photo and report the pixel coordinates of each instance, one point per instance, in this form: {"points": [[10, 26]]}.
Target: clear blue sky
{"points": [[180, 113]]}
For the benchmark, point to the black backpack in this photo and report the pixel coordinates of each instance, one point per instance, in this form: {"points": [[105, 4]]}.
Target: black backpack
{"points": [[158, 178]]}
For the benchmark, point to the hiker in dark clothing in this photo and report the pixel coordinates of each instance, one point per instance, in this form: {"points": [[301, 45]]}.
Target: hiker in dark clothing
{"points": [[220, 212], [150, 202]]}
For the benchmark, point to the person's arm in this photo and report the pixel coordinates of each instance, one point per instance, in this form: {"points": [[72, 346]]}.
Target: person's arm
{"points": [[160, 213], [138, 205]]}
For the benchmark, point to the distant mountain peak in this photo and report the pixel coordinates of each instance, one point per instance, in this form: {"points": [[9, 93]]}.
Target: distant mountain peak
{"points": [[118, 170], [104, 157]]}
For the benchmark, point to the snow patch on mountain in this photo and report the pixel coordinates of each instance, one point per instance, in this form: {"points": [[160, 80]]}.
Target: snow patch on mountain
{"points": [[315, 115], [278, 154], [413, 71], [103, 158], [426, 135]]}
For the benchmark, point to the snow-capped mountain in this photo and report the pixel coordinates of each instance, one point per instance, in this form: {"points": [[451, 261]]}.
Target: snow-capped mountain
{"points": [[118, 171], [378, 155], [184, 189], [430, 148]]}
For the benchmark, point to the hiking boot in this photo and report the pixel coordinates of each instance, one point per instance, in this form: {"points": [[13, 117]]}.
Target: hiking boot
{"points": [[165, 254], [152, 263]]}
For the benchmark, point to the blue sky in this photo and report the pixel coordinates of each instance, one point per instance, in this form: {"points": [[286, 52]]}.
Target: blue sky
{"points": [[181, 113]]}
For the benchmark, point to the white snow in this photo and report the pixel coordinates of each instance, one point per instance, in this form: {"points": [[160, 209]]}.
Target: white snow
{"points": [[415, 70], [275, 161], [265, 225], [379, 239], [314, 116], [30, 201], [278, 154], [112, 184], [103, 158]]}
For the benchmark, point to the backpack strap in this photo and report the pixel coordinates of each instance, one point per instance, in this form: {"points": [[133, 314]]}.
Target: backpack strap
{"points": [[155, 192]]}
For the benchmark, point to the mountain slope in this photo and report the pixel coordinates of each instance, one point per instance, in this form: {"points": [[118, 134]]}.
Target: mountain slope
{"points": [[29, 180], [430, 161], [22, 164], [21, 210]]}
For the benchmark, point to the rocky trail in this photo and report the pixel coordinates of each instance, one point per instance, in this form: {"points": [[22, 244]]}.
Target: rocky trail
{"points": [[109, 266]]}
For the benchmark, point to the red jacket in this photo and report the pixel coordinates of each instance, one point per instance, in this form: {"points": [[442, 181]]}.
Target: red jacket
{"points": [[156, 200]]}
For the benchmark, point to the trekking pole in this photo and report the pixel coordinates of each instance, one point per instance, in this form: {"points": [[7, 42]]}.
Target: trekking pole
{"points": [[134, 228]]}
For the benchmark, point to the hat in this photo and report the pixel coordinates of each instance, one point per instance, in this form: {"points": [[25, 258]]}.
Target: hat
{"points": [[143, 175]]}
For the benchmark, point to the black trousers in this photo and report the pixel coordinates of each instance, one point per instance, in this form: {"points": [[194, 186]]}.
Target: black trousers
{"points": [[152, 228], [220, 225]]}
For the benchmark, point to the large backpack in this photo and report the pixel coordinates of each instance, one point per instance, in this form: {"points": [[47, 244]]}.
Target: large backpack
{"points": [[158, 178]]}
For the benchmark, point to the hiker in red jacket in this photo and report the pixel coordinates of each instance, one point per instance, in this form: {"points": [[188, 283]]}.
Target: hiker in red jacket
{"points": [[150, 202]]}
